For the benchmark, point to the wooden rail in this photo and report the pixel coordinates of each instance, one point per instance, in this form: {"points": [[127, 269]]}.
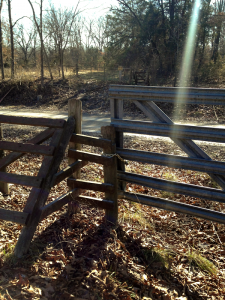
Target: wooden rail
{"points": [[183, 135], [54, 123], [109, 160], [170, 130], [174, 206], [205, 96]]}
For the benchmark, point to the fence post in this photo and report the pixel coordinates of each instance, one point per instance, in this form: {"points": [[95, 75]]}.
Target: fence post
{"points": [[4, 187], [110, 174], [75, 110], [116, 107]]}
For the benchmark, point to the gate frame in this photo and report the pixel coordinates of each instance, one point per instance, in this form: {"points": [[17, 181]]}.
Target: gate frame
{"points": [[145, 98]]}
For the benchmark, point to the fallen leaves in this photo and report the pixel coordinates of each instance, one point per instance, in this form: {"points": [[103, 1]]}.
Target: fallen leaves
{"points": [[145, 257]]}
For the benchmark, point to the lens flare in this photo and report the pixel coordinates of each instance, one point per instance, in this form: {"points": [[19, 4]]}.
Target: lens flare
{"points": [[188, 56]]}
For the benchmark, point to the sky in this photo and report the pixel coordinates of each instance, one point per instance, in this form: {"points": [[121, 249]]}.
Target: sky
{"points": [[91, 9]]}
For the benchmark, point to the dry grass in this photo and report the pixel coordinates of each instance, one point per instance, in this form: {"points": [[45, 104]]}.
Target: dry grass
{"points": [[23, 74]]}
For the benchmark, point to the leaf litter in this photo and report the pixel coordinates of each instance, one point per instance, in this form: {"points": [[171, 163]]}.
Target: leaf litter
{"points": [[152, 254]]}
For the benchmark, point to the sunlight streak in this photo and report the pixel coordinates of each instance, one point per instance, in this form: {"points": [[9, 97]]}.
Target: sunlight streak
{"points": [[188, 56]]}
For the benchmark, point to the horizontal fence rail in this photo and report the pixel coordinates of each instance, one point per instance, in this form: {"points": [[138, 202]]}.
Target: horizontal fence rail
{"points": [[91, 141], [175, 206], [173, 161], [170, 130], [97, 158], [173, 187], [144, 97], [14, 216], [54, 123], [168, 94]]}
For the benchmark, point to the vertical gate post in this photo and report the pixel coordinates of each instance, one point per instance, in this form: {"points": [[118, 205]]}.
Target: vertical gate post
{"points": [[116, 107], [4, 187], [110, 174], [75, 110]]}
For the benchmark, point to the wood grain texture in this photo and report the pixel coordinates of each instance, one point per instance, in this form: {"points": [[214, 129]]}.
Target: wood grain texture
{"points": [[96, 202], [41, 137], [32, 181], [174, 187], [90, 140], [54, 123], [90, 185], [173, 161], [75, 111], [68, 171], [110, 175], [38, 197], [27, 148], [175, 206], [99, 159], [4, 187], [14, 216], [58, 203]]}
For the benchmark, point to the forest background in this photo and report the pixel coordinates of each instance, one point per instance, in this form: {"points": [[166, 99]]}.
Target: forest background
{"points": [[134, 34]]}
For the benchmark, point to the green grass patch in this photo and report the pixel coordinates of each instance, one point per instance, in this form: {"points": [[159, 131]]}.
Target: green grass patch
{"points": [[197, 260], [159, 255]]}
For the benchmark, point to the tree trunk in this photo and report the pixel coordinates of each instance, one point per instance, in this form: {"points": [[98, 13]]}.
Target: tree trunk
{"points": [[1, 53], [11, 40], [41, 38], [42, 46], [63, 76], [216, 43]]}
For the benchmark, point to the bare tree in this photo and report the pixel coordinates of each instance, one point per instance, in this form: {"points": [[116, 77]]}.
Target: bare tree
{"points": [[1, 44], [25, 39], [59, 23], [40, 33], [219, 18], [11, 40]]}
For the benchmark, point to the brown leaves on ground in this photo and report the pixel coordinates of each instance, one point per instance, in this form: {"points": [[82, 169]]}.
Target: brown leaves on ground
{"points": [[152, 254]]}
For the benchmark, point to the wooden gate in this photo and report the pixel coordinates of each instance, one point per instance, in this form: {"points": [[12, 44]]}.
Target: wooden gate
{"points": [[61, 134], [162, 125]]}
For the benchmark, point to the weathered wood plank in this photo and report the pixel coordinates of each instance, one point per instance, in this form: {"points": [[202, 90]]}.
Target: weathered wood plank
{"points": [[168, 94], [13, 216], [201, 165], [38, 197], [58, 203], [68, 171], [4, 187], [42, 122], [110, 175], [175, 206], [95, 202], [27, 148], [171, 130], [90, 140], [188, 146], [75, 111], [21, 179], [41, 137], [99, 159], [90, 185], [116, 107], [174, 187]]}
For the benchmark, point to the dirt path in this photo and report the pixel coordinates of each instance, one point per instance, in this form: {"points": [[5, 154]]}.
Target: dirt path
{"points": [[91, 123]]}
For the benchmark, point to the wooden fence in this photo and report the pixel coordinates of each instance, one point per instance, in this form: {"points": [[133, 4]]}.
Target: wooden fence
{"points": [[60, 133], [182, 135], [64, 132]]}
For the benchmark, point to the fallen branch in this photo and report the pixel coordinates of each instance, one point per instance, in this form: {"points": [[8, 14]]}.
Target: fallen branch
{"points": [[6, 94]]}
